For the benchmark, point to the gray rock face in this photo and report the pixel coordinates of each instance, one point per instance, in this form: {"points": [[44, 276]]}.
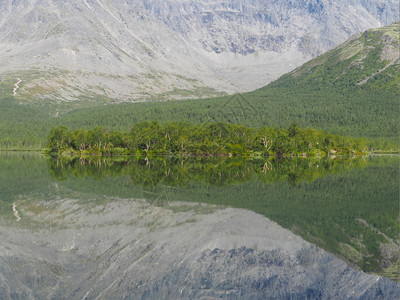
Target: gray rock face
{"points": [[129, 249], [137, 49]]}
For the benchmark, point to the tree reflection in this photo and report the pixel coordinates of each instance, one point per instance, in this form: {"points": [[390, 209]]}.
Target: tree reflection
{"points": [[174, 171]]}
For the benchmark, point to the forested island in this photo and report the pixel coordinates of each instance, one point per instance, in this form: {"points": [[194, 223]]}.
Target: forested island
{"points": [[211, 139]]}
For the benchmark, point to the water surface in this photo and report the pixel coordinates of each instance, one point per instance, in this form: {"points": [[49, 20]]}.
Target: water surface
{"points": [[191, 228]]}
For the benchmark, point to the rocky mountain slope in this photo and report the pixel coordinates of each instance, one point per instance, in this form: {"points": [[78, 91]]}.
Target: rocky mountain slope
{"points": [[158, 49], [361, 61]]}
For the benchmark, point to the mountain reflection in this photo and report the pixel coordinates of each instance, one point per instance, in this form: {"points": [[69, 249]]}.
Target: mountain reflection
{"points": [[348, 207], [130, 249]]}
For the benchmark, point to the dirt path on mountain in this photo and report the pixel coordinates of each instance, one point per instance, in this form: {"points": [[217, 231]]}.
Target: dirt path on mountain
{"points": [[16, 86]]}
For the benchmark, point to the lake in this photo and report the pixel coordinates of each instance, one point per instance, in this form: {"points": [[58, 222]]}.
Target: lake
{"points": [[189, 228]]}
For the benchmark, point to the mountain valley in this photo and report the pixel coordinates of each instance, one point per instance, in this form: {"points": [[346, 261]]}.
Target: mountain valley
{"points": [[129, 51]]}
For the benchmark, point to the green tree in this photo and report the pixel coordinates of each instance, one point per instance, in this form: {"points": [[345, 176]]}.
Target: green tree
{"points": [[58, 139]]}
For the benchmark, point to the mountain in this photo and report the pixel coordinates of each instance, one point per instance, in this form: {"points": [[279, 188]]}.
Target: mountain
{"points": [[150, 50], [350, 90], [363, 59]]}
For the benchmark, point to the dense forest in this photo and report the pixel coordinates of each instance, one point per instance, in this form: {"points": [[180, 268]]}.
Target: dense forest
{"points": [[212, 139]]}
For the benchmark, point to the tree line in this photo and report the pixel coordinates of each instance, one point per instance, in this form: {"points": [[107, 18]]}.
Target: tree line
{"points": [[211, 139]]}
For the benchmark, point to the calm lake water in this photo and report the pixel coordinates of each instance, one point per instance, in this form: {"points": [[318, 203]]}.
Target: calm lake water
{"points": [[190, 228]]}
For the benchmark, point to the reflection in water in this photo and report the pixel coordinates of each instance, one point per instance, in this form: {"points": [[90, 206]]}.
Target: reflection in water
{"points": [[213, 171], [82, 235], [344, 206], [126, 248]]}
